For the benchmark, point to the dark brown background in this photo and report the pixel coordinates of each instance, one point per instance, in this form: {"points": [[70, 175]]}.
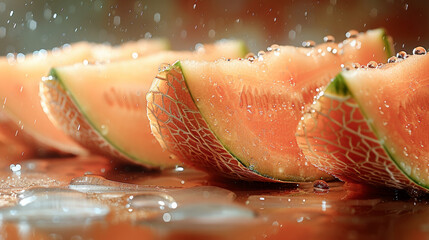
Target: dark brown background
{"points": [[187, 22]]}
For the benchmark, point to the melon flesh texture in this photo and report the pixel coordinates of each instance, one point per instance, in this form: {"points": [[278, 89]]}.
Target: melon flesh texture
{"points": [[252, 108], [373, 126], [19, 88], [111, 99]]}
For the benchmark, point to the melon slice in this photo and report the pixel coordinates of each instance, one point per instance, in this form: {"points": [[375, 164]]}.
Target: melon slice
{"points": [[238, 118], [371, 125], [19, 88], [103, 106]]}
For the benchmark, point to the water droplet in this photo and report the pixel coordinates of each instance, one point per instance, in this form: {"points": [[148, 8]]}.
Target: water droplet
{"points": [[402, 55], [98, 184], [208, 213], [54, 206], [392, 59], [104, 129], [250, 57], [15, 167], [347, 66], [154, 201], [372, 64], [164, 67], [385, 104], [328, 38], [308, 44], [352, 34], [419, 51], [261, 55], [320, 186], [157, 17]]}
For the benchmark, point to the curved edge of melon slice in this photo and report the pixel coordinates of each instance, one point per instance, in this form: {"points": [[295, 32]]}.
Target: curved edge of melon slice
{"points": [[340, 81], [169, 100], [55, 101], [326, 128]]}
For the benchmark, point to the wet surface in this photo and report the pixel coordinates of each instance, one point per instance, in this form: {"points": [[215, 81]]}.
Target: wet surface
{"points": [[92, 198]]}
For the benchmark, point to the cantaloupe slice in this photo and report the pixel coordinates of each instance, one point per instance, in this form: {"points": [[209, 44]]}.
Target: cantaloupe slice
{"points": [[371, 125], [238, 118], [19, 87], [103, 106]]}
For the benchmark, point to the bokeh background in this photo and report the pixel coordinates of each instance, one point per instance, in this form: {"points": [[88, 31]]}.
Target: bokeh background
{"points": [[27, 25]]}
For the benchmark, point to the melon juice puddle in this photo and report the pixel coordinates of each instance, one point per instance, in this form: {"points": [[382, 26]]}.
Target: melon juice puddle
{"points": [[61, 199]]}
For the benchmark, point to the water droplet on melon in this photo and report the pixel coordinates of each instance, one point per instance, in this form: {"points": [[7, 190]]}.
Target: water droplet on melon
{"points": [[163, 66], [104, 129], [328, 38], [308, 44], [352, 34], [372, 64], [392, 59], [261, 55], [419, 51], [402, 55]]}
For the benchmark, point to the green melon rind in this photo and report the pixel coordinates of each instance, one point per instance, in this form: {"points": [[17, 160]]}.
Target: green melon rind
{"points": [[57, 77], [388, 45], [179, 65], [339, 88]]}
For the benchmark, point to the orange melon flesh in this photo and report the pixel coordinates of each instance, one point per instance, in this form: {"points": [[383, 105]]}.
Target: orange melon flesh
{"points": [[370, 126], [19, 87], [128, 50], [111, 100], [251, 108]]}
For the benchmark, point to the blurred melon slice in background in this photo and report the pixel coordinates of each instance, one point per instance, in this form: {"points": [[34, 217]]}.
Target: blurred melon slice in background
{"points": [[23, 117]]}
